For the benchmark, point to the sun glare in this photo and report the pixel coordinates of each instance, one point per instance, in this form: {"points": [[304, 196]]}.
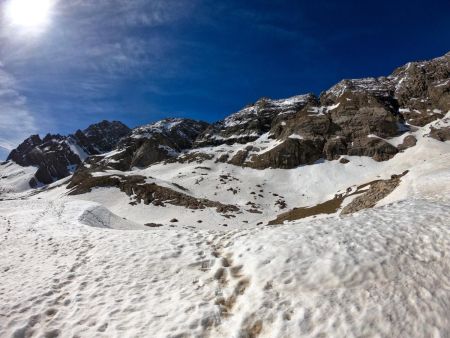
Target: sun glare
{"points": [[32, 15]]}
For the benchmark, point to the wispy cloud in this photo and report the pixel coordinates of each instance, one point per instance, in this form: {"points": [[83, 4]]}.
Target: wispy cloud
{"points": [[90, 49], [16, 120]]}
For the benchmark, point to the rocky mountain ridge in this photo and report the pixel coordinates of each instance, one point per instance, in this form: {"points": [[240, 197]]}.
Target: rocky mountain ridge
{"points": [[354, 117], [57, 156]]}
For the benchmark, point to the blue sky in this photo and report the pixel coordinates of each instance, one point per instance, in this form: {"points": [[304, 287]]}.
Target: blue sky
{"points": [[142, 60]]}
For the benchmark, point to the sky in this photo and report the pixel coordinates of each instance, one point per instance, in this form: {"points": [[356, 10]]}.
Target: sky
{"points": [[65, 64]]}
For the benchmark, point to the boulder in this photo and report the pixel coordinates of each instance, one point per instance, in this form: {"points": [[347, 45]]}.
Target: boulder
{"points": [[440, 134], [289, 154], [408, 142], [376, 148]]}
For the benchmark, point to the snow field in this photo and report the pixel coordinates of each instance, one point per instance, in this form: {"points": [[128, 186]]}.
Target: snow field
{"points": [[382, 272]]}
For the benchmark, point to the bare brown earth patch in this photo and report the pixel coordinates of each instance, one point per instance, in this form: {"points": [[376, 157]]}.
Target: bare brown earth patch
{"points": [[327, 207]]}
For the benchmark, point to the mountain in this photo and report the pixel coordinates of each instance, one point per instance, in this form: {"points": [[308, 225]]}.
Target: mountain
{"points": [[186, 164], [57, 156], [152, 143], [308, 216]]}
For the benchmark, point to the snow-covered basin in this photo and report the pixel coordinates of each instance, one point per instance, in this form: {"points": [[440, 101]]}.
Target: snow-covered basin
{"points": [[382, 272]]}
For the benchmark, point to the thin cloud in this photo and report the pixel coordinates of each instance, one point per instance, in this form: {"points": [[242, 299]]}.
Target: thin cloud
{"points": [[16, 120]]}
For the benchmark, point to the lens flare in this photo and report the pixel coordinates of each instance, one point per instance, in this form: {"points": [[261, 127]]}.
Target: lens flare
{"points": [[31, 15]]}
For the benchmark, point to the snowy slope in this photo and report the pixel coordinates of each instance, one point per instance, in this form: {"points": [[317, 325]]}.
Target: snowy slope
{"points": [[73, 267], [300, 187], [15, 178], [383, 272], [104, 263]]}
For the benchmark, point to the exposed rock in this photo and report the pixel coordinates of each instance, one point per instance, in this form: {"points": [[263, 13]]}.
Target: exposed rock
{"points": [[251, 122], [153, 225], [289, 154], [343, 160], [52, 155], [136, 186], [377, 191], [376, 148], [57, 156], [307, 123], [241, 156], [223, 158], [101, 137], [420, 119], [154, 143], [190, 157], [334, 148], [408, 142], [440, 134], [344, 121], [327, 207], [423, 85]]}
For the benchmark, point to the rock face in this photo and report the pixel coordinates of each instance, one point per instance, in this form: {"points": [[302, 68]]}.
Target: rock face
{"points": [[252, 121], [101, 137], [57, 156], [152, 143], [52, 155], [289, 154], [376, 192], [353, 117]]}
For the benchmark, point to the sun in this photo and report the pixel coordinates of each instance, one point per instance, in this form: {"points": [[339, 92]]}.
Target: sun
{"points": [[32, 15]]}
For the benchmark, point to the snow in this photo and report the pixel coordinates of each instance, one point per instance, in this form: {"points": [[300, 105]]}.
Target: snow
{"points": [[341, 278], [379, 86], [245, 115], [302, 186], [76, 149], [162, 126], [88, 265], [170, 151], [15, 178], [296, 136], [292, 100], [332, 107], [443, 84]]}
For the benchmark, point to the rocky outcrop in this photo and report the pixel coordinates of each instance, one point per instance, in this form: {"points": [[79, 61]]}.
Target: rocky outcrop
{"points": [[101, 137], [289, 154], [423, 86], [408, 142], [143, 191], [251, 122], [376, 192], [52, 156], [152, 143], [57, 156], [441, 134], [374, 147], [353, 118]]}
